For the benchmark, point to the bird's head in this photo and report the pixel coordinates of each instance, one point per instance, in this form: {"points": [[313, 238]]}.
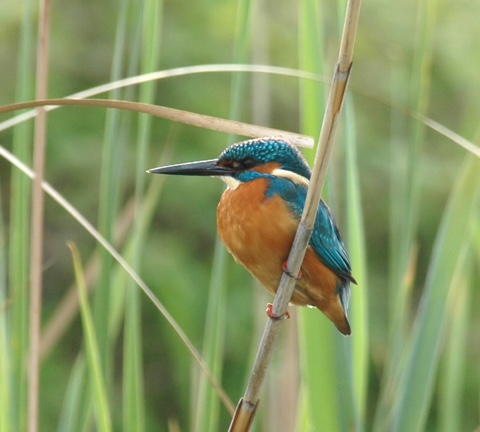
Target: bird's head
{"points": [[248, 160]]}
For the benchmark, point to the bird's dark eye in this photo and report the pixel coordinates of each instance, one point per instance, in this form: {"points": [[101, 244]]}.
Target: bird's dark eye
{"points": [[248, 163], [241, 165]]}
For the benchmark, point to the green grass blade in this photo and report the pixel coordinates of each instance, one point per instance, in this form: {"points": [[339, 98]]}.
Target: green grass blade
{"points": [[419, 95], [358, 256], [311, 59], [71, 415], [410, 194], [207, 407], [133, 390], [241, 54], [110, 181], [321, 390], [405, 196], [452, 375], [417, 378], [398, 285], [6, 367], [98, 387], [19, 244], [206, 413], [322, 353], [6, 394]]}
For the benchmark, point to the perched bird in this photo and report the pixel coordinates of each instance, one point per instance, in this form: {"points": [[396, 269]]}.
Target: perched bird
{"points": [[258, 215]]}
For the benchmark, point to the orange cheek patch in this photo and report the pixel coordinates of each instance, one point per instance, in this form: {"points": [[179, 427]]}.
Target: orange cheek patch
{"points": [[268, 168]]}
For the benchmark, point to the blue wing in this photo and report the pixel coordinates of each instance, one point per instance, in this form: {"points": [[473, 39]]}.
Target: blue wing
{"points": [[325, 240]]}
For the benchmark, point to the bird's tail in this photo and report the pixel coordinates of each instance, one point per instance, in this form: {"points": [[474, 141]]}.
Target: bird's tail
{"points": [[336, 310], [343, 326]]}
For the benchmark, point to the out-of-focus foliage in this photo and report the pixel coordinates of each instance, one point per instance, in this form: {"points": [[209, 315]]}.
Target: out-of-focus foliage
{"points": [[406, 59]]}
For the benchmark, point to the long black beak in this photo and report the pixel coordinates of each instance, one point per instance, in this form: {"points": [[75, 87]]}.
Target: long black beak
{"points": [[201, 168]]}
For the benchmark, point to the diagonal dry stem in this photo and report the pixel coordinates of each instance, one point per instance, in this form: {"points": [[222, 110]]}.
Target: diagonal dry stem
{"points": [[207, 122], [247, 406]]}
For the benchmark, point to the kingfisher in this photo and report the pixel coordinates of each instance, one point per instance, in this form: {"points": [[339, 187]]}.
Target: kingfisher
{"points": [[267, 182]]}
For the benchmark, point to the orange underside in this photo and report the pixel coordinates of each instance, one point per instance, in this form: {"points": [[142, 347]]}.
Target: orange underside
{"points": [[259, 233]]}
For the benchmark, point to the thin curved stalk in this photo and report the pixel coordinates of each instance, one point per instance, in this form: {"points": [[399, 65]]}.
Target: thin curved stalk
{"points": [[53, 193]]}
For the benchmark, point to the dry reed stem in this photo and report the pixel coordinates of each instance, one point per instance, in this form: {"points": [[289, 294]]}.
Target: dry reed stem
{"points": [[193, 119], [36, 256], [247, 406]]}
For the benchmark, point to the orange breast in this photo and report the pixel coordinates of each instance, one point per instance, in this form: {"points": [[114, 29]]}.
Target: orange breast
{"points": [[259, 232]]}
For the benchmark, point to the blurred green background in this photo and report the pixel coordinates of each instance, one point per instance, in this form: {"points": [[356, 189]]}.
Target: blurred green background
{"points": [[405, 196]]}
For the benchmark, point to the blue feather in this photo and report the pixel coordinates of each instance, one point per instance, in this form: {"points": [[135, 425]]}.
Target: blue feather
{"points": [[325, 240]]}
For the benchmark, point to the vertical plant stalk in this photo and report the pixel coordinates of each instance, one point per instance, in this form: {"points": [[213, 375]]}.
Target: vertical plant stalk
{"points": [[247, 406], [20, 223], [150, 27], [37, 221], [97, 381], [405, 208]]}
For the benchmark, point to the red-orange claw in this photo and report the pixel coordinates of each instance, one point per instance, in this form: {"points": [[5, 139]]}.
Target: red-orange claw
{"points": [[288, 273], [271, 315]]}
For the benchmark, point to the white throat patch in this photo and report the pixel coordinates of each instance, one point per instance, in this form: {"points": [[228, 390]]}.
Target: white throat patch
{"points": [[230, 181]]}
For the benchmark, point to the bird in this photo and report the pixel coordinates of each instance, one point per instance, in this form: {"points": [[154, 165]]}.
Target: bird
{"points": [[258, 214]]}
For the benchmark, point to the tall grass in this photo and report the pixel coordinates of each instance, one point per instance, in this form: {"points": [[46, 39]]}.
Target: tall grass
{"points": [[406, 200], [17, 265]]}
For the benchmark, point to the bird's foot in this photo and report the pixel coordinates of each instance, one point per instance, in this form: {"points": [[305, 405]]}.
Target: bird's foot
{"points": [[271, 315], [287, 272]]}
